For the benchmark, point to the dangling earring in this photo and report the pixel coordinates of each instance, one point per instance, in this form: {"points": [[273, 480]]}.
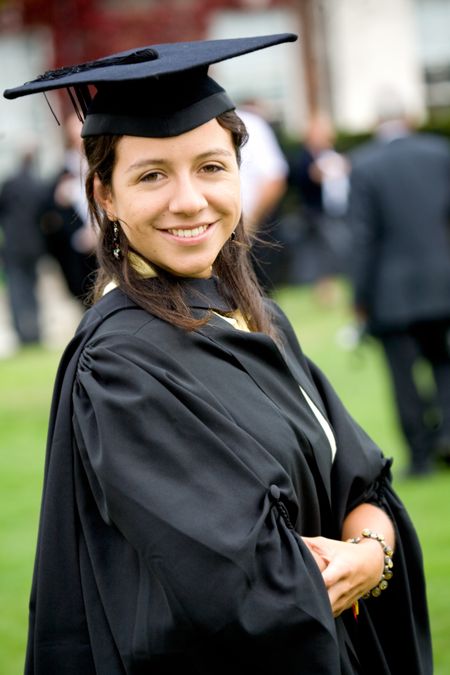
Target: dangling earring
{"points": [[116, 242], [233, 236]]}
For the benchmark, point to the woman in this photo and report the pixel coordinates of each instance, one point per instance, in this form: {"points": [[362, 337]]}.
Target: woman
{"points": [[208, 503]]}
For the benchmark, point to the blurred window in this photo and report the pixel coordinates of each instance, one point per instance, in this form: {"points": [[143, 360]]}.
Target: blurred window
{"points": [[433, 28]]}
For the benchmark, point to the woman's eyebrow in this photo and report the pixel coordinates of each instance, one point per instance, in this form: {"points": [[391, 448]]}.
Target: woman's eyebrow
{"points": [[142, 163], [215, 151], [153, 161]]}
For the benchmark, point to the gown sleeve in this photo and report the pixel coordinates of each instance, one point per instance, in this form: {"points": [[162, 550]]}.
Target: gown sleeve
{"points": [[216, 561]]}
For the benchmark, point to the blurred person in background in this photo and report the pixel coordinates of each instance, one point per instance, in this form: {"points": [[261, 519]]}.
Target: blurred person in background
{"points": [[64, 220], [264, 172], [319, 177], [22, 246], [400, 215]]}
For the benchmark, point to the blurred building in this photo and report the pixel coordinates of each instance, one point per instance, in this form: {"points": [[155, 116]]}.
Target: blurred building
{"points": [[350, 52]]}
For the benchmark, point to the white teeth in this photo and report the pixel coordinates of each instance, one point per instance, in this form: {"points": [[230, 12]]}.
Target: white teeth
{"points": [[189, 233]]}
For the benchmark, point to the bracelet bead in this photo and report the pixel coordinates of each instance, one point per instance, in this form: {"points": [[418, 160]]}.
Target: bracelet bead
{"points": [[388, 563]]}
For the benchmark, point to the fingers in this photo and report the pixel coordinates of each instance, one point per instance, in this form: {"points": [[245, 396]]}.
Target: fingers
{"points": [[334, 573], [342, 573], [341, 592], [318, 551], [315, 554], [341, 601]]}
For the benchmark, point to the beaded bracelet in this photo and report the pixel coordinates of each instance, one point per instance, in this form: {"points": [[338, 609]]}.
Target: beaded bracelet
{"points": [[388, 564]]}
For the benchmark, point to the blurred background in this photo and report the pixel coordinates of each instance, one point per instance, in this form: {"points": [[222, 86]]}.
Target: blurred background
{"points": [[324, 92], [348, 53]]}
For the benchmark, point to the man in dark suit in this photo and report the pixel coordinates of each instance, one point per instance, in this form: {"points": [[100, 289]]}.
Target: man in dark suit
{"points": [[22, 246], [68, 235], [399, 214]]}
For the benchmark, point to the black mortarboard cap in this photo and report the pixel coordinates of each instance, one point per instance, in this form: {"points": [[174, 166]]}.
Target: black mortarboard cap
{"points": [[155, 91]]}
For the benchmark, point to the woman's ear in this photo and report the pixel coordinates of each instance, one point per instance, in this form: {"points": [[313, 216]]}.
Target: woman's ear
{"points": [[102, 196]]}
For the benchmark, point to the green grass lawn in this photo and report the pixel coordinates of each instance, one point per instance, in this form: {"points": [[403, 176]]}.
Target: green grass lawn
{"points": [[25, 391], [360, 378]]}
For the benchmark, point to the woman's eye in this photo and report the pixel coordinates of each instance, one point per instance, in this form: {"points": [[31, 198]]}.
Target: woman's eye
{"points": [[152, 177], [212, 168]]}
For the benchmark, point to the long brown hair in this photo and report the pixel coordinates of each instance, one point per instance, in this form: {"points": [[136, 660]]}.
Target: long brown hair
{"points": [[162, 296]]}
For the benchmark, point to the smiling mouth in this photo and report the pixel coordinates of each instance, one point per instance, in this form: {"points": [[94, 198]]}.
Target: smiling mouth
{"points": [[187, 233]]}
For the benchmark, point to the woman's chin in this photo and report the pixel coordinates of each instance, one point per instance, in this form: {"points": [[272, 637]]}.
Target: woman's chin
{"points": [[200, 271]]}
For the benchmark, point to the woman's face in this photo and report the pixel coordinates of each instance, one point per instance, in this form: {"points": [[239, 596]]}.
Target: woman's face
{"points": [[177, 199]]}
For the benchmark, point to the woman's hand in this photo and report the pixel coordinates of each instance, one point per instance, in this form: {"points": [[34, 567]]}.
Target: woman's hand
{"points": [[348, 570], [351, 570]]}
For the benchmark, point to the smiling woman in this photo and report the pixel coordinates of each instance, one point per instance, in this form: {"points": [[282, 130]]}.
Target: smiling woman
{"points": [[209, 504]]}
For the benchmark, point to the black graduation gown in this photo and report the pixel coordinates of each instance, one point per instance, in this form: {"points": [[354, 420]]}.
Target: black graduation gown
{"points": [[181, 468]]}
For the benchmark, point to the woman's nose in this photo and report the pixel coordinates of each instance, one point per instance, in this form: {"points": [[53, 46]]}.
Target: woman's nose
{"points": [[187, 197]]}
